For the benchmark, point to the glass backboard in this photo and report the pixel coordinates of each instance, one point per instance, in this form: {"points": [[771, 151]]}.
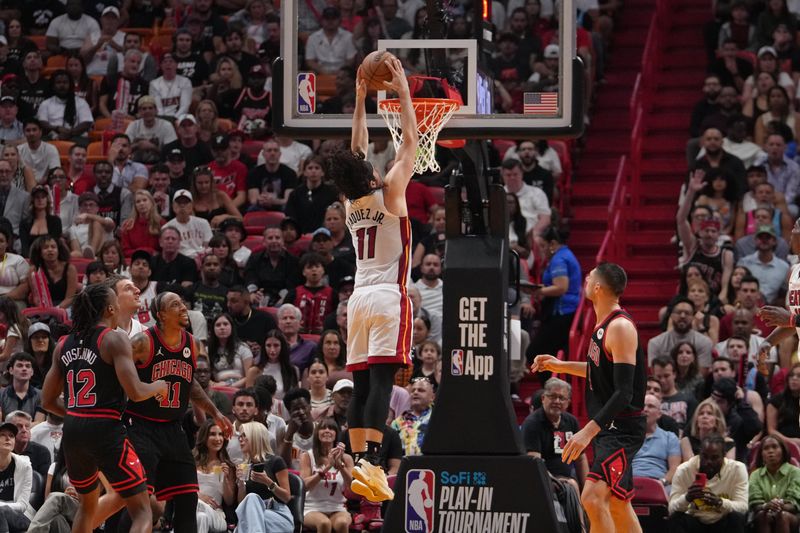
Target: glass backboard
{"points": [[512, 84]]}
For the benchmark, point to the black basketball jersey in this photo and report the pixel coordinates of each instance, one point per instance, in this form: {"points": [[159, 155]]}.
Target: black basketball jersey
{"points": [[91, 387], [710, 267], [600, 371], [176, 367]]}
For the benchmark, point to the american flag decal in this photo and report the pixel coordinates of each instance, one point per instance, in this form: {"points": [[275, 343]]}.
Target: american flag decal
{"points": [[540, 103]]}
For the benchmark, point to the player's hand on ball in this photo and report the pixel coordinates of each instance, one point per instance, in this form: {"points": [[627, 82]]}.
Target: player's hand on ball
{"points": [[544, 363], [399, 82]]}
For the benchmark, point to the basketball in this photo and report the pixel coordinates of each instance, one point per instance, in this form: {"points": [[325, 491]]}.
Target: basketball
{"points": [[375, 71]]}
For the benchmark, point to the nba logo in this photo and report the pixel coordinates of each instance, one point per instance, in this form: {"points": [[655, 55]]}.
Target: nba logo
{"points": [[306, 93], [457, 362], [420, 494]]}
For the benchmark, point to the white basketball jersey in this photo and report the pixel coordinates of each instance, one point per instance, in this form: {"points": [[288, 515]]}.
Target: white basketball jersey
{"points": [[382, 242], [793, 294]]}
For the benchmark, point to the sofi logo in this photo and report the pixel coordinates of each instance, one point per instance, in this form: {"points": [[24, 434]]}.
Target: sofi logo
{"points": [[420, 494]]}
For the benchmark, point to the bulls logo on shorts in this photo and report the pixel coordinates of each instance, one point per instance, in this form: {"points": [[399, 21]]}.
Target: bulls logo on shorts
{"points": [[420, 498]]}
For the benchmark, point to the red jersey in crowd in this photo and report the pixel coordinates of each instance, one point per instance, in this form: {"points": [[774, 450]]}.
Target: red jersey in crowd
{"points": [[231, 178]]}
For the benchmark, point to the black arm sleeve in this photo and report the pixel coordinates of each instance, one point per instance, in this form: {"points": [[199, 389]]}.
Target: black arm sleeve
{"points": [[623, 381]]}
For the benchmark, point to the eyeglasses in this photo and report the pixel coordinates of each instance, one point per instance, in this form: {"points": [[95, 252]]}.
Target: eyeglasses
{"points": [[241, 436], [557, 397]]}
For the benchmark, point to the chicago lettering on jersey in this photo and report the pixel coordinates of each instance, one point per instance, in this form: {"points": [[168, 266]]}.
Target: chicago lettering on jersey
{"points": [[172, 367], [364, 214]]}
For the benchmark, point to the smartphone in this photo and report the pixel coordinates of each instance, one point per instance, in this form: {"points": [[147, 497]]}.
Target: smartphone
{"points": [[700, 480], [257, 467]]}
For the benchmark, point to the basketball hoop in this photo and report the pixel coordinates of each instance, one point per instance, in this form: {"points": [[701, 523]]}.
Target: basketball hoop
{"points": [[432, 115]]}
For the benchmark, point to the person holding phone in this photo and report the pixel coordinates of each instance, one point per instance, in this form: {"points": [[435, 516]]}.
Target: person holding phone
{"points": [[262, 484], [709, 492]]}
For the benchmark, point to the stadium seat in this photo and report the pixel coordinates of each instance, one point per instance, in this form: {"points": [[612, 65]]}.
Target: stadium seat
{"points": [[271, 310], [53, 64], [650, 504], [303, 243], [298, 501], [227, 391], [80, 264], [161, 44], [254, 242], [256, 221], [37, 490], [502, 146], [43, 314], [225, 124], [62, 147], [252, 148], [96, 152], [438, 193], [39, 40], [562, 149]]}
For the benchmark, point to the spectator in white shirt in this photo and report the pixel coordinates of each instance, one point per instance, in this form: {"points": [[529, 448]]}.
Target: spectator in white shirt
{"points": [[149, 133], [67, 32], [293, 153], [127, 174], [331, 47], [172, 93], [195, 232], [99, 47], [35, 154], [533, 202], [65, 116]]}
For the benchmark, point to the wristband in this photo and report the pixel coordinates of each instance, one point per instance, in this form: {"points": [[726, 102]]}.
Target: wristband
{"points": [[273, 486]]}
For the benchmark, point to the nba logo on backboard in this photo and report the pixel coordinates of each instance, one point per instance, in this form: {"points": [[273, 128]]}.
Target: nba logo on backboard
{"points": [[420, 496], [306, 93], [457, 362]]}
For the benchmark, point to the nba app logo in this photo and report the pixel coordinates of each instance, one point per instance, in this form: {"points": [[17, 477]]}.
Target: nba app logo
{"points": [[306, 93], [457, 362], [420, 495]]}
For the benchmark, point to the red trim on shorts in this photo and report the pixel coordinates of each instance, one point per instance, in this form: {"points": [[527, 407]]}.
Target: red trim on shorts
{"points": [[171, 492], [84, 483], [405, 254], [137, 415], [97, 413], [356, 367], [152, 350], [403, 347]]}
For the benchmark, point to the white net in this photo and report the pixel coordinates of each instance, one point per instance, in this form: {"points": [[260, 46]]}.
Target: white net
{"points": [[432, 115]]}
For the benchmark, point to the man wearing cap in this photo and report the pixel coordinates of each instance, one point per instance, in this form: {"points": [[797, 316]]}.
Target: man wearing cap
{"points": [[14, 202], [100, 46], [331, 47], [120, 92], [234, 230], [195, 232], [176, 171], [782, 172], [67, 32], [253, 105], [269, 185], [230, 176], [172, 92], [16, 481], [11, 130], [740, 418], [336, 269], [195, 152], [191, 65], [341, 395], [546, 76], [149, 132], [766, 266]]}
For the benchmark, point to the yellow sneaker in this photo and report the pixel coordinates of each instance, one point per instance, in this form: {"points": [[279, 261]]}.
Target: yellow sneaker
{"points": [[363, 490], [374, 480]]}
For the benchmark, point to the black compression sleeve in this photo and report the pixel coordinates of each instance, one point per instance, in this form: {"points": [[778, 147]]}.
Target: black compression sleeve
{"points": [[623, 385]]}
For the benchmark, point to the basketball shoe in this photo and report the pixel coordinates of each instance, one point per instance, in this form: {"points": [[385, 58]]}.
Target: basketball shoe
{"points": [[370, 482]]}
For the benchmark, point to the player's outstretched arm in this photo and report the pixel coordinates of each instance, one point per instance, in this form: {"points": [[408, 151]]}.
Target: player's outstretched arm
{"points": [[53, 387], [360, 140], [400, 174], [122, 353], [548, 363]]}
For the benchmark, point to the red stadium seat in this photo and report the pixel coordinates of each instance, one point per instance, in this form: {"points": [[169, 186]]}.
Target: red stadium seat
{"points": [[256, 221], [438, 193], [80, 264], [38, 314], [310, 337], [271, 310], [650, 504], [254, 242], [252, 148]]}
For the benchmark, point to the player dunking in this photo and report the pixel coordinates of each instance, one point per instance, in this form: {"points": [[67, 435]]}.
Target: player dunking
{"points": [[379, 311], [616, 371], [94, 370], [166, 351]]}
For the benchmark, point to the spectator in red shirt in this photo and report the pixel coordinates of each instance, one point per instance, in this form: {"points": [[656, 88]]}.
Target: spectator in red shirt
{"points": [[142, 229], [314, 297], [79, 175], [420, 200], [229, 175]]}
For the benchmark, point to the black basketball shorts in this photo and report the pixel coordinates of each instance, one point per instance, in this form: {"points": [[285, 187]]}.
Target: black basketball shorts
{"points": [[614, 449]]}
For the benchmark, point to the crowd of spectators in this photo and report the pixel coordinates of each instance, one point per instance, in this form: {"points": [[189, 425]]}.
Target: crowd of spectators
{"points": [[137, 141], [723, 395]]}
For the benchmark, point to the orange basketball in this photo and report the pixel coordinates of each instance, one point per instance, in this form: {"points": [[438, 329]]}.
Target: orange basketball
{"points": [[375, 71]]}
